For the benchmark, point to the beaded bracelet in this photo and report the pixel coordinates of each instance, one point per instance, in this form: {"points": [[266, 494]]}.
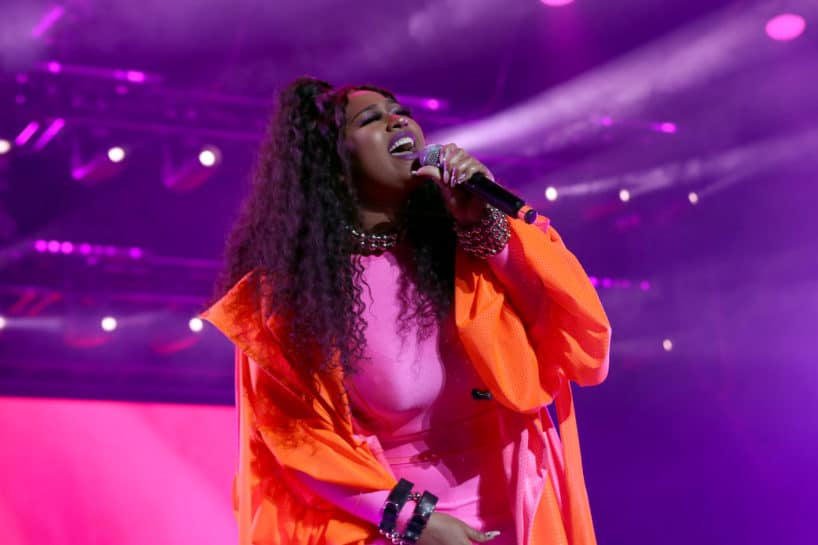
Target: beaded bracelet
{"points": [[486, 238]]}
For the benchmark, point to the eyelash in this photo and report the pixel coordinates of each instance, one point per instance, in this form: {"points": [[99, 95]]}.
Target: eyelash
{"points": [[374, 117]]}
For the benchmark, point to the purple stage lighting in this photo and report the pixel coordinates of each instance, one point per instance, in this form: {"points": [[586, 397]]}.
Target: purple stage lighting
{"points": [[26, 134], [785, 27], [433, 104], [52, 16], [49, 133], [135, 76], [101, 167], [135, 253], [669, 128]]}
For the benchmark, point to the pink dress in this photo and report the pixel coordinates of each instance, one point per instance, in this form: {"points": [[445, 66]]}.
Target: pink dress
{"points": [[417, 399]]}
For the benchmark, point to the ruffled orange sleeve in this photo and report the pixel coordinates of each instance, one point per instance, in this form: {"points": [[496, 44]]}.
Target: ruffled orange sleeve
{"points": [[286, 425], [525, 338], [529, 337]]}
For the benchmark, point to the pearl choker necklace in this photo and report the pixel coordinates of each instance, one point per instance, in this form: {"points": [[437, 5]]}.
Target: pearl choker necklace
{"points": [[370, 243]]}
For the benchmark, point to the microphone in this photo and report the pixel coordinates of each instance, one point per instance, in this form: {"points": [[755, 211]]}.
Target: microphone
{"points": [[492, 192]]}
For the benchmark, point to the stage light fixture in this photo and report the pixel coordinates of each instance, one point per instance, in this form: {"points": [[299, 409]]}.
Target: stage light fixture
{"points": [[193, 172], [108, 324], [785, 27], [196, 325], [116, 154], [209, 156], [101, 166]]}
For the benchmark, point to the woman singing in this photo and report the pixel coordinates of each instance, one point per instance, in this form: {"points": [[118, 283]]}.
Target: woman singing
{"points": [[398, 341]]}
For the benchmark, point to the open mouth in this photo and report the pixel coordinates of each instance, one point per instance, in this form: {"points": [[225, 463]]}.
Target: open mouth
{"points": [[403, 145]]}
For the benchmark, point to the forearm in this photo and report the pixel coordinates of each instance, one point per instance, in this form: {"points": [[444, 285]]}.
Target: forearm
{"points": [[367, 506]]}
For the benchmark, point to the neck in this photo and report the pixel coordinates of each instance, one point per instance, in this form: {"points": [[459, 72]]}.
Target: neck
{"points": [[380, 219]]}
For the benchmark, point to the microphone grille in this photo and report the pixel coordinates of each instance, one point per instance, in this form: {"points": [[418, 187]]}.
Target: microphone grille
{"points": [[430, 156]]}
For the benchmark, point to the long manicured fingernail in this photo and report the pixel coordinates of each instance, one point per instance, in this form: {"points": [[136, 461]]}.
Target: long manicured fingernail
{"points": [[492, 534]]}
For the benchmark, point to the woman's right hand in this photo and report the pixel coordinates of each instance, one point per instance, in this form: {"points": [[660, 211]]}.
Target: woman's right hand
{"points": [[443, 529]]}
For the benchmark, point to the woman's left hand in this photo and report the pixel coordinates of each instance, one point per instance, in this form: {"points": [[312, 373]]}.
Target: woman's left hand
{"points": [[457, 166]]}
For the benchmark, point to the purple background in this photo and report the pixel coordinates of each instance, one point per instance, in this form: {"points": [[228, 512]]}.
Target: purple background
{"points": [[712, 442]]}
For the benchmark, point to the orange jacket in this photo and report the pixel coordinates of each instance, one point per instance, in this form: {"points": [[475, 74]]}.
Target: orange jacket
{"points": [[526, 362]]}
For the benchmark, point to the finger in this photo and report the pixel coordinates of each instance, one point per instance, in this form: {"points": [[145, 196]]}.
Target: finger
{"points": [[431, 172], [444, 177], [466, 175], [481, 537]]}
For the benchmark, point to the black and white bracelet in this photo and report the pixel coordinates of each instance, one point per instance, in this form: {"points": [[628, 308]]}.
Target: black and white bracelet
{"points": [[425, 506], [424, 509], [394, 503]]}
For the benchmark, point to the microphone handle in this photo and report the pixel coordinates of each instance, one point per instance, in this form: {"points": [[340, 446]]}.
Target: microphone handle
{"points": [[500, 198]]}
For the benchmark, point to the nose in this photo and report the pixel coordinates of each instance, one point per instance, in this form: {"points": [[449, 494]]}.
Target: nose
{"points": [[397, 121]]}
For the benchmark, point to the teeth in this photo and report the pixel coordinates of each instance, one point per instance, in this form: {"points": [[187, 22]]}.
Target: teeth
{"points": [[401, 142]]}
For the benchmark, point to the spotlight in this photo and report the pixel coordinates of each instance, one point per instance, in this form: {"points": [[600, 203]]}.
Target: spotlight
{"points": [[667, 344], [3, 323], [551, 194], [693, 198], [668, 128], [108, 323], [556, 3], [116, 154], [192, 173], [785, 27], [624, 195], [433, 104], [195, 325], [209, 156], [5, 146], [101, 166]]}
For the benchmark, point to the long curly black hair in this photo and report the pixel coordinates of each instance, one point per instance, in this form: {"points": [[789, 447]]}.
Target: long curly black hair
{"points": [[290, 236]]}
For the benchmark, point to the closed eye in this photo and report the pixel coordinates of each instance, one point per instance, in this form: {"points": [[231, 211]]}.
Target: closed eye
{"points": [[375, 115], [369, 118]]}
